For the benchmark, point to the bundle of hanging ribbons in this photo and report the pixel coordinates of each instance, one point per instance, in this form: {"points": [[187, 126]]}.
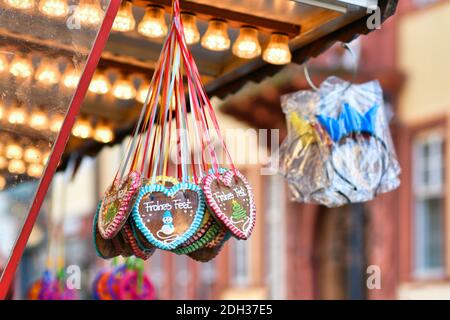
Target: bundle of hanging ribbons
{"points": [[176, 188]]}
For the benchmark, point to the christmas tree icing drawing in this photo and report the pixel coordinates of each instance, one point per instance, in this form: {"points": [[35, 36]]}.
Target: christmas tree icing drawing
{"points": [[111, 213], [238, 214]]}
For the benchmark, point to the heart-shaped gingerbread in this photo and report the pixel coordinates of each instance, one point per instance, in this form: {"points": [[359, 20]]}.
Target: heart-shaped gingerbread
{"points": [[117, 203], [167, 217], [105, 248], [230, 198]]}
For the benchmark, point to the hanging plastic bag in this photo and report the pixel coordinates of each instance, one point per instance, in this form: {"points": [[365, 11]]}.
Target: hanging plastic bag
{"points": [[339, 148]]}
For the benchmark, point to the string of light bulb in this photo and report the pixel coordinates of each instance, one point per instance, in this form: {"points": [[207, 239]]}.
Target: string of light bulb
{"points": [[21, 157], [38, 119], [154, 25]]}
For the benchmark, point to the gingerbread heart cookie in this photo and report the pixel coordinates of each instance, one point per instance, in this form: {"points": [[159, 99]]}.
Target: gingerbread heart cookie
{"points": [[167, 217], [105, 248], [230, 198], [117, 203]]}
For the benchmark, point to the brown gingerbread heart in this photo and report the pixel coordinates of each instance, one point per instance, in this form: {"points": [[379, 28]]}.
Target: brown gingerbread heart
{"points": [[117, 203], [230, 198]]}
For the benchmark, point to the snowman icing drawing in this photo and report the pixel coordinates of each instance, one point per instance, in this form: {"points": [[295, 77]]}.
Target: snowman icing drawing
{"points": [[166, 233]]}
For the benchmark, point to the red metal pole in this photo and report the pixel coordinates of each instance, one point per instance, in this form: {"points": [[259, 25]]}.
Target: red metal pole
{"points": [[58, 149]]}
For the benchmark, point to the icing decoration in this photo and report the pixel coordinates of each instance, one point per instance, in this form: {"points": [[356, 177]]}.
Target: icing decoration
{"points": [[230, 198], [349, 121], [132, 242], [116, 204], [207, 237], [168, 217], [207, 253]]}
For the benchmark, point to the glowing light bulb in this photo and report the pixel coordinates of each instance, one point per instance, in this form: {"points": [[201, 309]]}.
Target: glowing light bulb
{"points": [[191, 33], [47, 73], [35, 170], [2, 182], [143, 91], [17, 115], [71, 77], [278, 52], [4, 64], [3, 162], [16, 166], [56, 122], [14, 151], [153, 25], [21, 67], [82, 129], [103, 133], [54, 8], [216, 37], [21, 4], [32, 155], [100, 84], [247, 44], [124, 89], [124, 20], [39, 120], [89, 12]]}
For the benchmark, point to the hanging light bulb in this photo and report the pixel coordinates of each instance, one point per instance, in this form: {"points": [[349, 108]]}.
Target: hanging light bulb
{"points": [[21, 67], [153, 25], [48, 73], [38, 119], [278, 52], [143, 91], [216, 37], [56, 122], [20, 4], [14, 151], [247, 44], [54, 8], [191, 33], [103, 133], [3, 162], [32, 155], [16, 166], [3, 63], [124, 89], [124, 20], [82, 129], [89, 12], [2, 182], [17, 115], [35, 170], [100, 84], [71, 77]]}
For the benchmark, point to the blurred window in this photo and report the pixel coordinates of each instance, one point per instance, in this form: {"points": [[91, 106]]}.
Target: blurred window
{"points": [[240, 270], [156, 272], [428, 171], [208, 276], [182, 277]]}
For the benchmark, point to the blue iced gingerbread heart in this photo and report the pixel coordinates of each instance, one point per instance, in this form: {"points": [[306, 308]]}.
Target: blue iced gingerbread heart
{"points": [[167, 217]]}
